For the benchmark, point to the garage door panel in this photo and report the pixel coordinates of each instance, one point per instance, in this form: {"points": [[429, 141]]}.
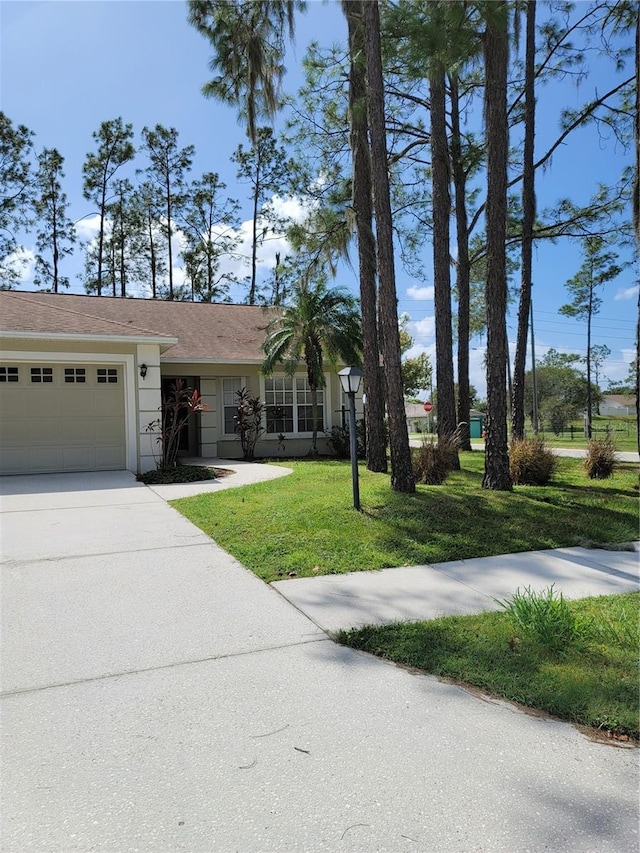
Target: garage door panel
{"points": [[44, 430], [109, 458], [109, 430], [78, 431], [78, 458], [107, 402], [62, 425]]}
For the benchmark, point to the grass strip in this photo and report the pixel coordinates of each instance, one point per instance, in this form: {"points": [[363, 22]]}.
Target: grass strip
{"points": [[592, 681], [305, 525]]}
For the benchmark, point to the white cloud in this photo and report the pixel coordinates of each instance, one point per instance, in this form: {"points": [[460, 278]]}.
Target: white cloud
{"points": [[292, 207], [628, 293], [88, 227], [420, 292], [21, 263], [422, 330]]}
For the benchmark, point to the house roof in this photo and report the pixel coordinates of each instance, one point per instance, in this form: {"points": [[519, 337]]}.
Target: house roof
{"points": [[203, 331], [622, 400]]}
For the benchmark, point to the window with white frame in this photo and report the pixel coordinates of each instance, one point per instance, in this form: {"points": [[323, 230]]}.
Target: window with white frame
{"points": [[230, 388], [288, 405]]}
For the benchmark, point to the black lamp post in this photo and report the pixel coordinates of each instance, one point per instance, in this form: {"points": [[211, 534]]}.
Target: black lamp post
{"points": [[350, 378]]}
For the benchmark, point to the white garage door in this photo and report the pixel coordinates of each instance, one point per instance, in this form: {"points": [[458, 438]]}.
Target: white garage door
{"points": [[61, 417]]}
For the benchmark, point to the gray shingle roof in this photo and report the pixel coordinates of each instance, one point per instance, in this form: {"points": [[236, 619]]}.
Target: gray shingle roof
{"points": [[219, 332]]}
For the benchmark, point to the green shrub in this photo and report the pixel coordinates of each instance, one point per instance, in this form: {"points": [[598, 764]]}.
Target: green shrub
{"points": [[179, 474], [543, 617], [600, 462], [338, 441], [531, 462]]}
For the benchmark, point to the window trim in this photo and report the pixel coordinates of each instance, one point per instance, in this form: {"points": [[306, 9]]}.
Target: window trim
{"points": [[325, 406], [242, 382]]}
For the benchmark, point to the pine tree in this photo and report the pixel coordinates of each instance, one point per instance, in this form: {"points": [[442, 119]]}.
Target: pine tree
{"points": [[56, 233]]}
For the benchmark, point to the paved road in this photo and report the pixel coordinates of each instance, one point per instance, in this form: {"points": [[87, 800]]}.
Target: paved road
{"points": [[159, 697]]}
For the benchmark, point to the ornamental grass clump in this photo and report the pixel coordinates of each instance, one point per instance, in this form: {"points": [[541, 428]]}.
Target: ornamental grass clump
{"points": [[600, 462], [531, 462], [543, 617], [433, 461]]}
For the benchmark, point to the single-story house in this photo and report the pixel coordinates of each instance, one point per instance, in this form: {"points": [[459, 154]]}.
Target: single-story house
{"points": [[617, 404], [419, 421], [82, 377]]}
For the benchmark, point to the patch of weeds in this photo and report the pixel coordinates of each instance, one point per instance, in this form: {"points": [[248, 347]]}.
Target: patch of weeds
{"points": [[543, 617]]}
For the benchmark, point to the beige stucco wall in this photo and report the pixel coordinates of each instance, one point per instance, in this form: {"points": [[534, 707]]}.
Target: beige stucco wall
{"points": [[214, 443]]}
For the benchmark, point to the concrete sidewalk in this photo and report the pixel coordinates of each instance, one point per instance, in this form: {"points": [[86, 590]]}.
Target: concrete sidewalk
{"points": [[158, 697], [466, 586]]}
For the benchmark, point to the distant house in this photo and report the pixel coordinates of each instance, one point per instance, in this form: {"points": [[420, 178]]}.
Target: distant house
{"points": [[617, 404], [81, 377], [419, 421]]}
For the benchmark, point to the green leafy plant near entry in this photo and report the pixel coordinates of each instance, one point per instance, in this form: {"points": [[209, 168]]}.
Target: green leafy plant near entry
{"points": [[178, 406], [248, 422], [544, 617], [593, 683]]}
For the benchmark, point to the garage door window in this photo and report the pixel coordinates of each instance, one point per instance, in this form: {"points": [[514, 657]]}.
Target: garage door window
{"points": [[107, 375], [75, 375], [8, 374], [42, 374]]}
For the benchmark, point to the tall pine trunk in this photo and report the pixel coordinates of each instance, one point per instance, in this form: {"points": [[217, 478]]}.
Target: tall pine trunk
{"points": [[496, 50], [442, 255], [402, 478], [363, 209], [463, 270], [528, 221]]}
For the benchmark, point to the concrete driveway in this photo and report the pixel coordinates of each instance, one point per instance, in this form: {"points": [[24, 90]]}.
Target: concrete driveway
{"points": [[158, 697]]}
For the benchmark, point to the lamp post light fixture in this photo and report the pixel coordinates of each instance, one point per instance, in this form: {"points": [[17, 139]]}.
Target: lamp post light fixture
{"points": [[350, 378]]}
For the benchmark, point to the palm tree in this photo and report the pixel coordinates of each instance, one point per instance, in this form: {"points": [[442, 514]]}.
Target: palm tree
{"points": [[249, 42], [318, 323]]}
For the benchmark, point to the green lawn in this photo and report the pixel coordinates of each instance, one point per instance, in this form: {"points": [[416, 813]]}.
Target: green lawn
{"points": [[305, 523], [593, 681]]}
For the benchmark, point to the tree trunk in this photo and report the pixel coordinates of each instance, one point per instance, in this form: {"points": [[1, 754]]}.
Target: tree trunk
{"points": [[314, 417], [442, 256], [496, 472], [402, 478], [101, 238], [463, 273], [528, 221], [363, 208], [169, 238], [254, 238], [589, 429]]}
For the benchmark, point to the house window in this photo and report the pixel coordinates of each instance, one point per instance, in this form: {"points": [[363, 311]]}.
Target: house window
{"points": [[8, 374], [288, 402], [230, 387], [75, 375], [42, 374], [107, 375]]}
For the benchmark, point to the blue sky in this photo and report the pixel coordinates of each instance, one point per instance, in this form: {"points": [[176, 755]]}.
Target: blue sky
{"points": [[68, 65]]}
